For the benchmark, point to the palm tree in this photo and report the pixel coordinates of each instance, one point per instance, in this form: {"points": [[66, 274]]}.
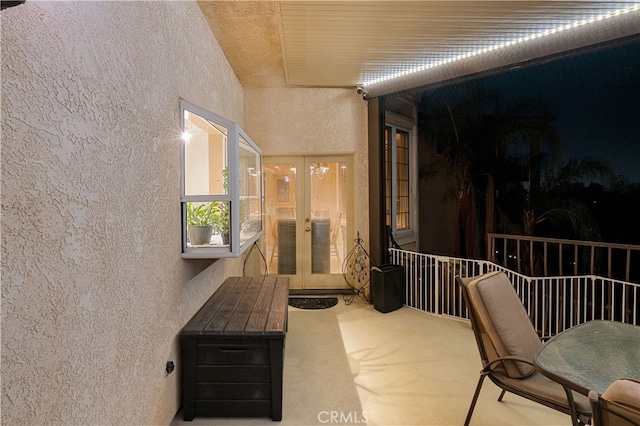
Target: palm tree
{"points": [[472, 135], [556, 210], [457, 159]]}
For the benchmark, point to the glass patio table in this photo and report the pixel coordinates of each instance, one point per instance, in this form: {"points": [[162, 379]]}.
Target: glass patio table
{"points": [[591, 356]]}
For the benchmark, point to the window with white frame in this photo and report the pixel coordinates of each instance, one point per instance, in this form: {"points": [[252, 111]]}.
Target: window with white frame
{"points": [[221, 187], [400, 205]]}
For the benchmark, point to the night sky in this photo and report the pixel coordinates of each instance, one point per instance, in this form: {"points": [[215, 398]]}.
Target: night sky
{"points": [[595, 98]]}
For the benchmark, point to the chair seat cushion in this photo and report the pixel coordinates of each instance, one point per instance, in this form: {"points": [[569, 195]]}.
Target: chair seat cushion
{"points": [[540, 387]]}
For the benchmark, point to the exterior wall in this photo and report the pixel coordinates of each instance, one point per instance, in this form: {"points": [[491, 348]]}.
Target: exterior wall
{"points": [[94, 291], [314, 121]]}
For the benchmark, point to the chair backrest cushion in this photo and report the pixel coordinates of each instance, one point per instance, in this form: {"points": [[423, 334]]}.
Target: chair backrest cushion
{"points": [[505, 320], [625, 392], [621, 400]]}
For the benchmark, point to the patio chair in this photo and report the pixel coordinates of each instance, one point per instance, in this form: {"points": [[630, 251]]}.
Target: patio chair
{"points": [[619, 405], [508, 344]]}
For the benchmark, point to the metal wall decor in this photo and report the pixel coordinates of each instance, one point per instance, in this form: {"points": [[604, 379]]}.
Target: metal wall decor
{"points": [[355, 270]]}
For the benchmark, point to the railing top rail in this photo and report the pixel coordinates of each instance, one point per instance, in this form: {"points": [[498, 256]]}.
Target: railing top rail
{"points": [[563, 241], [442, 257], [579, 277], [447, 259]]}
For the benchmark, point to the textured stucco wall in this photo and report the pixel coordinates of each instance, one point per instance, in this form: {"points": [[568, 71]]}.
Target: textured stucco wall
{"points": [[94, 291], [314, 121]]}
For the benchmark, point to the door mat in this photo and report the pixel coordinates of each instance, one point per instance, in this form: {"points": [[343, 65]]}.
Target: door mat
{"points": [[313, 302]]}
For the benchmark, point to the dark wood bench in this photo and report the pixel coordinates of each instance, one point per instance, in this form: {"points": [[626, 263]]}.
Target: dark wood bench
{"points": [[233, 350]]}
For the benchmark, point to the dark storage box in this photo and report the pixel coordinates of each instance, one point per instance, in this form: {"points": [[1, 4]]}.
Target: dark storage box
{"points": [[387, 287], [233, 350]]}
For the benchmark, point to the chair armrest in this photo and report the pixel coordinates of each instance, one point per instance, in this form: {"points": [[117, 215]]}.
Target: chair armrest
{"points": [[487, 367]]}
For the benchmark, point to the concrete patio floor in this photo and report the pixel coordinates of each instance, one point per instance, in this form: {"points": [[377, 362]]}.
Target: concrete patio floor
{"points": [[351, 364]]}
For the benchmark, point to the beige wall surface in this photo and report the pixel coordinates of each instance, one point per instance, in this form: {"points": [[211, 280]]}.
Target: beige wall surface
{"points": [[311, 121], [94, 291]]}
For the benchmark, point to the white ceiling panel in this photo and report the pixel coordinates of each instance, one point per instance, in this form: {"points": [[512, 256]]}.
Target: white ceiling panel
{"points": [[351, 43]]}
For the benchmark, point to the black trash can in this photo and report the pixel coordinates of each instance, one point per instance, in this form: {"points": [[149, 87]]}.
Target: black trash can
{"points": [[387, 287]]}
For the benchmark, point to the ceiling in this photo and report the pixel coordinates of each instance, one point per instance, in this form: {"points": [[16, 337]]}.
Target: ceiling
{"points": [[354, 43]]}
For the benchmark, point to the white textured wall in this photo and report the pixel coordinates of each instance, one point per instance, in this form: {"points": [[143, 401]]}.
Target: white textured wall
{"points": [[94, 291], [314, 121]]}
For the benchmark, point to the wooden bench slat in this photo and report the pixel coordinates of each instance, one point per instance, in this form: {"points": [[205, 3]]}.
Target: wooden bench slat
{"points": [[209, 309], [246, 305], [258, 319], [219, 319], [277, 320]]}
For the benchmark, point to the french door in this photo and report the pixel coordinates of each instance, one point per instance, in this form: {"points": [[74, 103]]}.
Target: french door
{"points": [[308, 226]]}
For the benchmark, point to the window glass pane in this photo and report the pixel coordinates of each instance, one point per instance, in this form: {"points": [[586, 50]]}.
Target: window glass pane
{"points": [[205, 155], [250, 187], [207, 224], [388, 178], [402, 180]]}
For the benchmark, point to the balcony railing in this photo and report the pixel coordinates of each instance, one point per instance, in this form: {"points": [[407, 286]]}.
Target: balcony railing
{"points": [[536, 256], [553, 303]]}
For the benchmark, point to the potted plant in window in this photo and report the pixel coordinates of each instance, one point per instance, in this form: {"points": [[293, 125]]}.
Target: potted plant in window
{"points": [[200, 222], [221, 220], [221, 214]]}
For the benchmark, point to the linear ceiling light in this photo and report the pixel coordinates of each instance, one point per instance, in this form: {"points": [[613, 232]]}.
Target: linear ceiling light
{"points": [[461, 56]]}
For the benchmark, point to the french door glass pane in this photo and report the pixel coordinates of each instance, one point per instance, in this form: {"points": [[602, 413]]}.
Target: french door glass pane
{"points": [[280, 225], [328, 203]]}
